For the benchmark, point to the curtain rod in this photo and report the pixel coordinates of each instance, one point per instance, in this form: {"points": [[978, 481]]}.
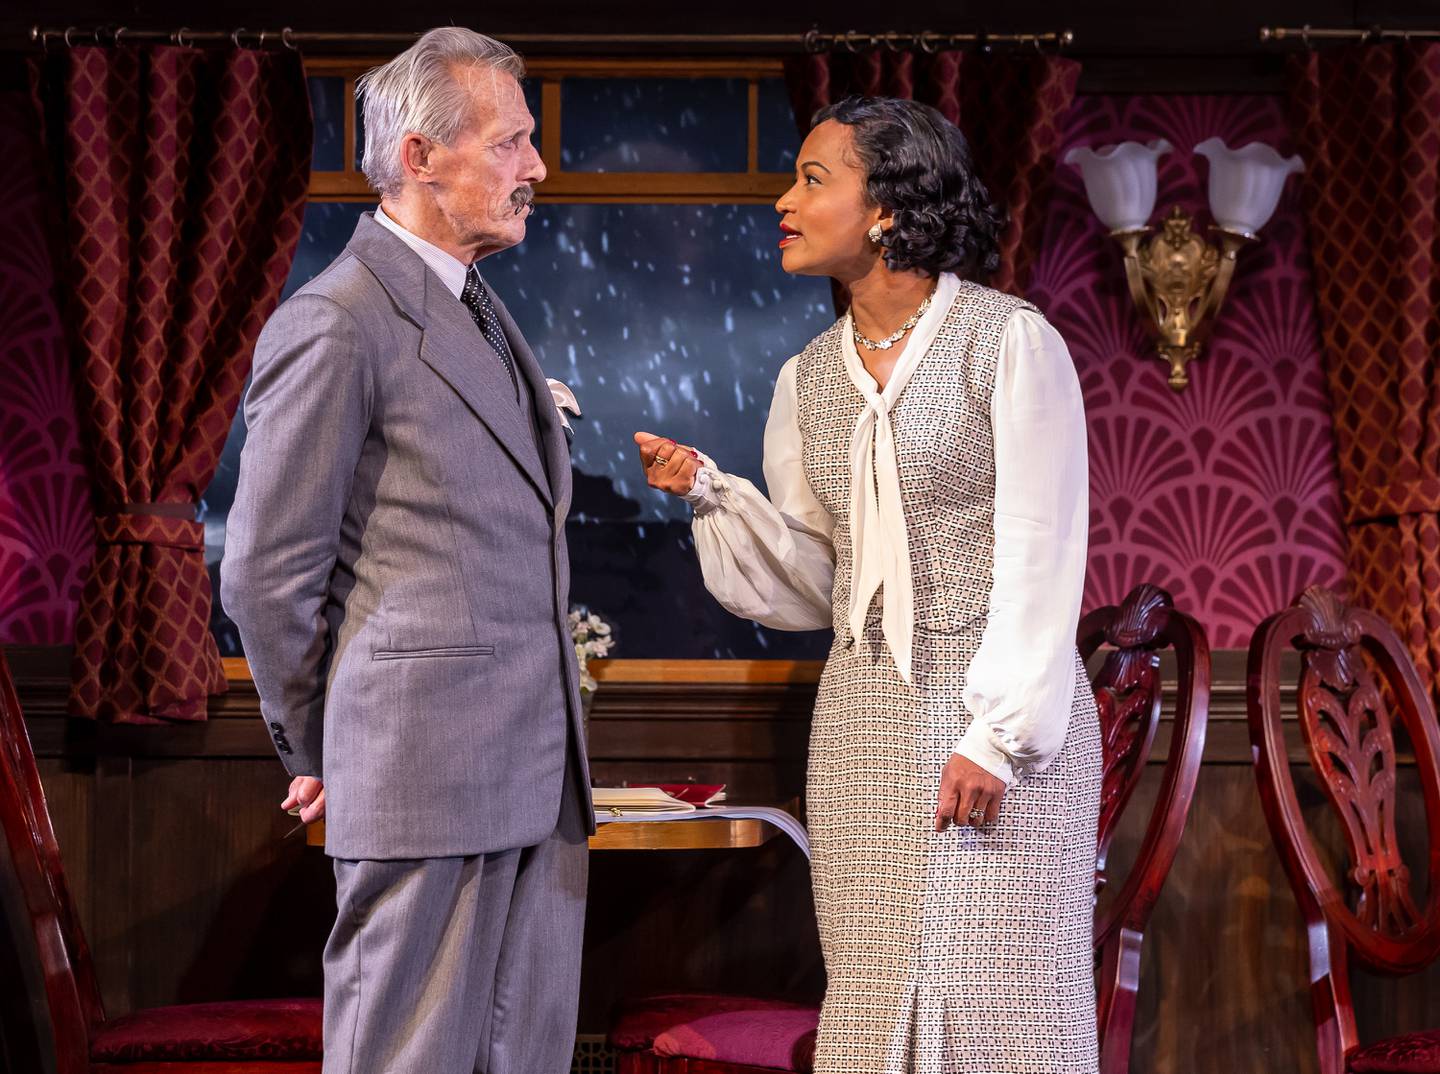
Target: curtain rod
{"points": [[813, 41], [1310, 35]]}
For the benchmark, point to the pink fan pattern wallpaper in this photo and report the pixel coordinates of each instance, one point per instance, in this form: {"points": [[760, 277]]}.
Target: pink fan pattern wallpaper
{"points": [[46, 531], [1226, 494]]}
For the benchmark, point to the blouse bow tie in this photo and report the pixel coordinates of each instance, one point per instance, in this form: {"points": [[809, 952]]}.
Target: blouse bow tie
{"points": [[879, 539]]}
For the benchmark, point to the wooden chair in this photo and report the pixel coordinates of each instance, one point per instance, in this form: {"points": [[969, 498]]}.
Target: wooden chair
{"points": [[1128, 693], [1352, 666], [242, 1037], [687, 1033]]}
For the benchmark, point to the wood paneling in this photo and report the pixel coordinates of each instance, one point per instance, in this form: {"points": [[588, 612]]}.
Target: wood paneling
{"points": [[176, 851]]}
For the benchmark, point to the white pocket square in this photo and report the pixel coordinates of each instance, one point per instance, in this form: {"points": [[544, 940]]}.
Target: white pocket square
{"points": [[564, 400]]}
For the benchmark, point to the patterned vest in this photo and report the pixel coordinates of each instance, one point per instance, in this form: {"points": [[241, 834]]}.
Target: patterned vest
{"points": [[946, 454]]}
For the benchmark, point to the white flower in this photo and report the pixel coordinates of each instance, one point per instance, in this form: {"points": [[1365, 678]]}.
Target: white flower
{"points": [[591, 637]]}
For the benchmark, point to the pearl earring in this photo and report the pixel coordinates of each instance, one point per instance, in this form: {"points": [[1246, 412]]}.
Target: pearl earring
{"points": [[876, 233]]}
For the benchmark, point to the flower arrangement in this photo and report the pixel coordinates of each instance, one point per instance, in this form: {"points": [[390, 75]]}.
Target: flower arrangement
{"points": [[591, 635]]}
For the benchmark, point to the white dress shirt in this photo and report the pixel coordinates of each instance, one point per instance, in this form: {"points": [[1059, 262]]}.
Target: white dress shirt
{"points": [[448, 267], [772, 560]]}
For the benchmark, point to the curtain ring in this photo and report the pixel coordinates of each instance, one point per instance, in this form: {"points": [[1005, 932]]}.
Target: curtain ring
{"points": [[235, 36], [929, 41], [1305, 36], [178, 37], [892, 39], [812, 41], [66, 36], [119, 33], [288, 40], [851, 36]]}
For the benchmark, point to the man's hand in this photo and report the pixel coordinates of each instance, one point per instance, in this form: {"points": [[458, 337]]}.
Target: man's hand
{"points": [[308, 793], [968, 794], [669, 467]]}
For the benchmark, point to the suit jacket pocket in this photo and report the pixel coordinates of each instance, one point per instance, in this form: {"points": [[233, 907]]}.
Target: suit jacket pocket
{"points": [[426, 654]]}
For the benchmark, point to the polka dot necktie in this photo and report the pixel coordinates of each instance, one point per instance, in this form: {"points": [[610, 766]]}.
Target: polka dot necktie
{"points": [[482, 310]]}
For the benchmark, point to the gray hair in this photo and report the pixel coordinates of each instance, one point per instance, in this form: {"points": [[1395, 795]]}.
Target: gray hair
{"points": [[418, 92]]}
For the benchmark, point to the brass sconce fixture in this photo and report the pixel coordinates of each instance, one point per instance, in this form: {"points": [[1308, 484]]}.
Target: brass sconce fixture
{"points": [[1178, 279]]}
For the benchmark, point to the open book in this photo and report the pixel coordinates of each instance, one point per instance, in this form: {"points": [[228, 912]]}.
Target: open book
{"points": [[657, 798]]}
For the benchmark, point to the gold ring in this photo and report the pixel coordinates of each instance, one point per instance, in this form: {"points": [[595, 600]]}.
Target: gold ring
{"points": [[658, 461], [977, 814]]}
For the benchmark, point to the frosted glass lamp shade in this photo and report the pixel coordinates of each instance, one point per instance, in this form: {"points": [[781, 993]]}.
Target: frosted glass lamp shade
{"points": [[1245, 184], [1120, 181]]}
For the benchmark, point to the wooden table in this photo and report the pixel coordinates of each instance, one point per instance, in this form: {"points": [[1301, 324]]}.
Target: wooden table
{"points": [[698, 833]]}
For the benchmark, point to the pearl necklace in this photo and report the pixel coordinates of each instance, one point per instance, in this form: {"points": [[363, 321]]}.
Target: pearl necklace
{"points": [[894, 337]]}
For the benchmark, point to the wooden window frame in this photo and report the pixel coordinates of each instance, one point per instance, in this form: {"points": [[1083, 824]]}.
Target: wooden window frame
{"points": [[750, 187]]}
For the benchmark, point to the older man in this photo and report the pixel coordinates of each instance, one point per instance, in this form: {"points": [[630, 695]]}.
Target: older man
{"points": [[396, 564]]}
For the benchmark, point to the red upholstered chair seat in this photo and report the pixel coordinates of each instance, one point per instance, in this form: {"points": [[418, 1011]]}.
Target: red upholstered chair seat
{"points": [[1414, 1053], [738, 1030], [265, 1029], [270, 1036]]}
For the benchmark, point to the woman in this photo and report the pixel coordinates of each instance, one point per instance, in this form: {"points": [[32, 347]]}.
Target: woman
{"points": [[926, 464]]}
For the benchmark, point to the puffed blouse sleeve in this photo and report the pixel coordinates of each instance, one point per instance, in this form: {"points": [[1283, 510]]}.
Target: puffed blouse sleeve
{"points": [[770, 560], [1021, 681]]}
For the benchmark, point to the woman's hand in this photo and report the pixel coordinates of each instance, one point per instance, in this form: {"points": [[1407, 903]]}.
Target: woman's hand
{"points": [[968, 794], [669, 467]]}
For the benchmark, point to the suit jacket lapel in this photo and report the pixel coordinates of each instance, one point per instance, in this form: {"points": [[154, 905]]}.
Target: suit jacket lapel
{"points": [[552, 435], [452, 345]]}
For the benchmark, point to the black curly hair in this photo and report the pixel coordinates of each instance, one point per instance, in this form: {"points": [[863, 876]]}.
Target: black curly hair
{"points": [[918, 166]]}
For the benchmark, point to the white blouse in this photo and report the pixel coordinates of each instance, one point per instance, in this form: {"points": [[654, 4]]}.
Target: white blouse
{"points": [[772, 560]]}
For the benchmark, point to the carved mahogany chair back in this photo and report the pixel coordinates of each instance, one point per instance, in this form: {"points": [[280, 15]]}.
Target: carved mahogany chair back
{"points": [[1128, 689], [1352, 665]]}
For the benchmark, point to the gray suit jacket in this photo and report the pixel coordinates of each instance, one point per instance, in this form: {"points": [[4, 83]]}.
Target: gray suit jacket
{"points": [[396, 563]]}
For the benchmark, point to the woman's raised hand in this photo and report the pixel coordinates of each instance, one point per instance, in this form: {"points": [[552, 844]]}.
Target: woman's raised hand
{"points": [[669, 467]]}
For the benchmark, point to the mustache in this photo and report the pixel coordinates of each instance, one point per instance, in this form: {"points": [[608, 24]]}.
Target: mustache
{"points": [[523, 198]]}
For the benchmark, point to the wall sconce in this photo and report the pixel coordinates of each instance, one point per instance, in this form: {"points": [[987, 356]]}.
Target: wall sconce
{"points": [[1177, 279]]}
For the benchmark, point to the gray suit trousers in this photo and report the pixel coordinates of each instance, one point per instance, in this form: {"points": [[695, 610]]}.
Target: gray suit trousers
{"points": [[453, 965]]}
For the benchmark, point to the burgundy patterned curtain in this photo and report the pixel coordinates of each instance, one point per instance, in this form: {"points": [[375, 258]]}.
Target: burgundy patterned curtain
{"points": [[184, 174], [1010, 106], [1369, 124]]}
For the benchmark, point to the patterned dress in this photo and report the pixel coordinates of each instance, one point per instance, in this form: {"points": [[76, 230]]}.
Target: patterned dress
{"points": [[963, 951]]}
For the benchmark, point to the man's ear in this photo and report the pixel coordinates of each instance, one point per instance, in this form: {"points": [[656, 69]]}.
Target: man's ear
{"points": [[415, 150]]}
